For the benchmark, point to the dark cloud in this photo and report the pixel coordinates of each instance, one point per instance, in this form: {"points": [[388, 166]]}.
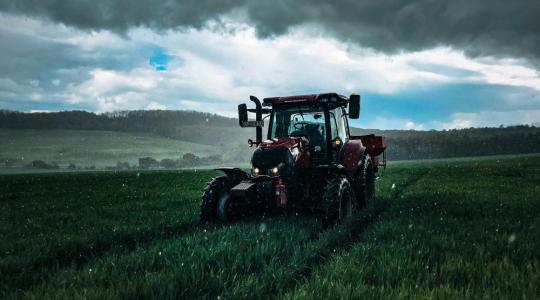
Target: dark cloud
{"points": [[481, 28], [120, 15]]}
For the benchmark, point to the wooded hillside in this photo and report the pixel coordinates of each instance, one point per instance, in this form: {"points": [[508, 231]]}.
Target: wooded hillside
{"points": [[215, 130]]}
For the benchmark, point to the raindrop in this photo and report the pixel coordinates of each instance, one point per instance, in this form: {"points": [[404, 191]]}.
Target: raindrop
{"points": [[393, 185], [511, 238]]}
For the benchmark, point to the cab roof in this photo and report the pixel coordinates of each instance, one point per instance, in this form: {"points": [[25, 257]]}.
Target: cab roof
{"points": [[327, 98]]}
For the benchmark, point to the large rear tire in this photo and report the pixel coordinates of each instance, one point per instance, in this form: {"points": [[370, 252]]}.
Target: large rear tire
{"points": [[213, 197], [365, 183], [337, 199]]}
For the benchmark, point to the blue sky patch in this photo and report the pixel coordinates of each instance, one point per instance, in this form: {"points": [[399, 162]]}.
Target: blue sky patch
{"points": [[160, 59], [438, 103]]}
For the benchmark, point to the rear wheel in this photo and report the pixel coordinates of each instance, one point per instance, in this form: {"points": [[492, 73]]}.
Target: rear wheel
{"points": [[214, 202], [337, 199], [365, 183]]}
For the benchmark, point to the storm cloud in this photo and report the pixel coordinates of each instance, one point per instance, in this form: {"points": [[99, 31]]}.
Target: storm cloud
{"points": [[479, 28], [419, 65]]}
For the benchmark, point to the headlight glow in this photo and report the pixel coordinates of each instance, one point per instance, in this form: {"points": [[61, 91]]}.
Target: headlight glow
{"points": [[274, 170], [256, 171]]}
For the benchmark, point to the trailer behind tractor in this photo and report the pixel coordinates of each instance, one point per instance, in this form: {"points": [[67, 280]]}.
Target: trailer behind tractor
{"points": [[308, 160]]}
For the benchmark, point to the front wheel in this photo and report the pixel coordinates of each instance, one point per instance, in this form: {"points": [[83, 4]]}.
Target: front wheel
{"points": [[215, 200], [337, 199]]}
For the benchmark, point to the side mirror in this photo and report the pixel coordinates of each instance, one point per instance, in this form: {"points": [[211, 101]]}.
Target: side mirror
{"points": [[354, 106], [242, 114]]}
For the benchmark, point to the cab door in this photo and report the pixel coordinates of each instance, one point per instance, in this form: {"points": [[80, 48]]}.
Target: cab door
{"points": [[338, 132]]}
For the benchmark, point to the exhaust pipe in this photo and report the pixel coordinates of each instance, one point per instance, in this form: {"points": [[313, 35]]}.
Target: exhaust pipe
{"points": [[258, 118]]}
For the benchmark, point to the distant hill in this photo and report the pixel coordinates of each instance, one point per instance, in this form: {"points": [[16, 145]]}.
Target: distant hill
{"points": [[190, 126], [87, 148], [227, 138]]}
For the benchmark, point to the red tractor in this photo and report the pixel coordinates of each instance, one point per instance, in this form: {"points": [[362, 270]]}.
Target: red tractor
{"points": [[309, 160]]}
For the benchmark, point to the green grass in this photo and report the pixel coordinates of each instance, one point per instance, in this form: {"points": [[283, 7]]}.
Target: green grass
{"points": [[92, 148], [455, 229]]}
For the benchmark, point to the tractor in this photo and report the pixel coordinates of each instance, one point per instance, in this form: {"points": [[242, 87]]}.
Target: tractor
{"points": [[309, 160]]}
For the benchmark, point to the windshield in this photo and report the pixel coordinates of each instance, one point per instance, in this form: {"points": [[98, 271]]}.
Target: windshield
{"points": [[299, 122]]}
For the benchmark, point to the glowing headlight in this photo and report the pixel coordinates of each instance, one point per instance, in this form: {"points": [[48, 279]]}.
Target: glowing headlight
{"points": [[274, 170], [256, 171]]}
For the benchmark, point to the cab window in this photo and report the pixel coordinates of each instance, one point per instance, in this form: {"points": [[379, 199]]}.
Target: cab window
{"points": [[337, 124], [306, 122]]}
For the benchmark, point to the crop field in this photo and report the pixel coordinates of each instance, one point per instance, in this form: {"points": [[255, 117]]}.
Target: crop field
{"points": [[446, 229]]}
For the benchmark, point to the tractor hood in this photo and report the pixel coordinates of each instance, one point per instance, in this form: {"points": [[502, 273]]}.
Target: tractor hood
{"points": [[282, 152], [287, 142]]}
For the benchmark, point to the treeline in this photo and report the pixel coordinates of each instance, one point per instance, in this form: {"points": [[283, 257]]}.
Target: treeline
{"points": [[188, 126], [412, 144], [223, 132], [145, 163]]}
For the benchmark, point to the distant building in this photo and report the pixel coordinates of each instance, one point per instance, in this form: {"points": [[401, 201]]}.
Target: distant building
{"points": [[39, 164], [148, 163]]}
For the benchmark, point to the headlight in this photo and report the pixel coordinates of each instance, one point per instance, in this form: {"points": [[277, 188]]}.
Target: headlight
{"points": [[274, 171], [256, 171]]}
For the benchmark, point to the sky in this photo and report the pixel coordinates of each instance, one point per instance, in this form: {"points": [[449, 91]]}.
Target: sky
{"points": [[416, 64]]}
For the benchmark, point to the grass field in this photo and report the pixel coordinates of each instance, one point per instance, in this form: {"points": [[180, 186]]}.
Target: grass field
{"points": [[460, 229], [92, 148]]}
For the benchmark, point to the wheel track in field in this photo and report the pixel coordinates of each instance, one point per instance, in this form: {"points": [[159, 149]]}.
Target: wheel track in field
{"points": [[345, 241]]}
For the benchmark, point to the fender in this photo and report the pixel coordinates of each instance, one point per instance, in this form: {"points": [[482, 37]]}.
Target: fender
{"points": [[234, 174], [353, 155], [338, 168]]}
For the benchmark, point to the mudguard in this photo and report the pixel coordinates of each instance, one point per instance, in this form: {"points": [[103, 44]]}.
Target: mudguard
{"points": [[353, 156], [235, 175], [337, 168]]}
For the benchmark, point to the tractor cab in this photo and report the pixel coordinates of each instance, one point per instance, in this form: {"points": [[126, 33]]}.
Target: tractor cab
{"points": [[324, 129], [319, 121]]}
